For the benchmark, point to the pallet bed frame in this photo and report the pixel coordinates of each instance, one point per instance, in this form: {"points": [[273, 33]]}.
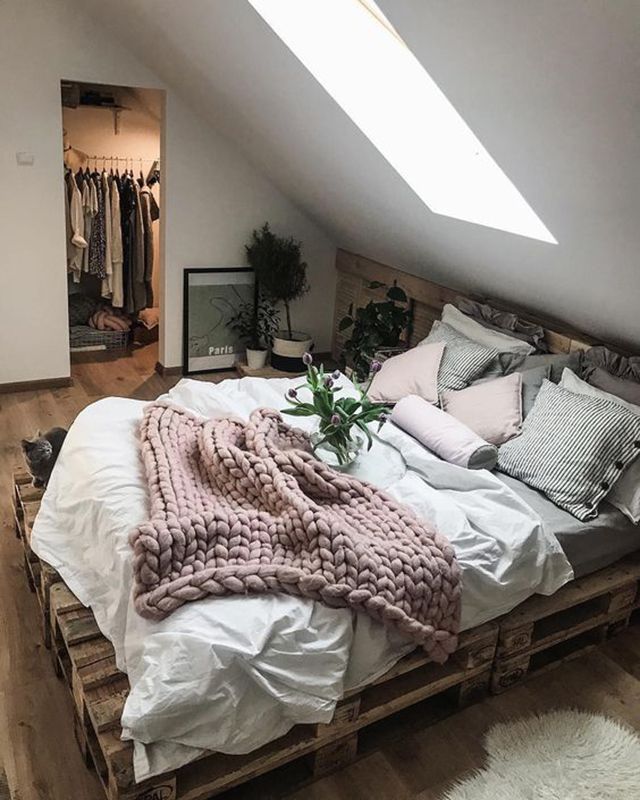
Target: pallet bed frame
{"points": [[85, 659], [539, 634]]}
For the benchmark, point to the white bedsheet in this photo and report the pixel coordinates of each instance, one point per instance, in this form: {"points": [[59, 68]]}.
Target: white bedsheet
{"points": [[230, 674]]}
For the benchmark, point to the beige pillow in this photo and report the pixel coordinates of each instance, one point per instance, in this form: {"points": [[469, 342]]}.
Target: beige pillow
{"points": [[492, 409], [413, 372]]}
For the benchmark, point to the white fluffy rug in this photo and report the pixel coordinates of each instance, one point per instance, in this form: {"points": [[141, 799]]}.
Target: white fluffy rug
{"points": [[563, 755]]}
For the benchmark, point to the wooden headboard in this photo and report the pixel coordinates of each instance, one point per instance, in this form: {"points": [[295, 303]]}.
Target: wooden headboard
{"points": [[355, 273]]}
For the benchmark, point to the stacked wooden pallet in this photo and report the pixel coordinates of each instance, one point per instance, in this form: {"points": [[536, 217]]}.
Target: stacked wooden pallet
{"points": [[26, 503], [86, 661], [543, 632], [540, 633]]}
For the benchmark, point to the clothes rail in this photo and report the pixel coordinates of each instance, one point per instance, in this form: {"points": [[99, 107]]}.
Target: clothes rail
{"points": [[126, 159]]}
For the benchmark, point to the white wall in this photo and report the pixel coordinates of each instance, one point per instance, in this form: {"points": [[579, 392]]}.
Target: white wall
{"points": [[212, 196], [549, 86]]}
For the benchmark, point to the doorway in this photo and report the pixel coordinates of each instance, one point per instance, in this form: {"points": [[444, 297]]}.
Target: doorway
{"points": [[112, 137]]}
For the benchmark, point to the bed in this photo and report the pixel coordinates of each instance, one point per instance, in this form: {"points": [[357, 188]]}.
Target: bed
{"points": [[231, 674]]}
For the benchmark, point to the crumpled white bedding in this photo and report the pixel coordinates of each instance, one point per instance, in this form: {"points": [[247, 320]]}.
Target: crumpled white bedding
{"points": [[230, 674]]}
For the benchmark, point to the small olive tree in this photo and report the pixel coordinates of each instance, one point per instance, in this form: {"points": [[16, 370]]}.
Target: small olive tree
{"points": [[279, 268]]}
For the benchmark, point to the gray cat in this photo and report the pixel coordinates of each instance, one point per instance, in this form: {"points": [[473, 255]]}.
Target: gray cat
{"points": [[41, 454]]}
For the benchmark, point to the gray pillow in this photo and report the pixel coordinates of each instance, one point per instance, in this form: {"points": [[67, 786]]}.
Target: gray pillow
{"points": [[463, 359], [627, 367], [557, 362], [496, 320], [505, 364], [532, 380], [624, 389], [573, 448]]}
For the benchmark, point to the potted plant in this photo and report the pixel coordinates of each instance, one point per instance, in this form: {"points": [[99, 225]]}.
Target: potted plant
{"points": [[336, 442], [256, 321], [378, 325], [282, 275]]}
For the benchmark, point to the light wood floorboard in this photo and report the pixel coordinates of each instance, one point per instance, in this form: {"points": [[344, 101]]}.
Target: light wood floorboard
{"points": [[404, 758]]}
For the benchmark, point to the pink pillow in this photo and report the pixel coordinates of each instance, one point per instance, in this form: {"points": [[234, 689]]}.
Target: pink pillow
{"points": [[493, 409], [443, 434], [413, 372]]}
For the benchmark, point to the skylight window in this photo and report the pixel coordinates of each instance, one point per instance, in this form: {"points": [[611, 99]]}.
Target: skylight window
{"points": [[355, 53]]}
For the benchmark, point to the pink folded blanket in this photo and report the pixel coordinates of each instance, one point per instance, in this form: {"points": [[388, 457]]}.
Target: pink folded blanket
{"points": [[245, 508]]}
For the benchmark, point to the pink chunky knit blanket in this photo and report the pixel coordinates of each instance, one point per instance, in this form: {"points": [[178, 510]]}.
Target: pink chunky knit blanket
{"points": [[245, 508]]}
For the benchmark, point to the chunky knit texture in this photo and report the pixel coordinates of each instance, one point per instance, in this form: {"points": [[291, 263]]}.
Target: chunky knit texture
{"points": [[245, 508]]}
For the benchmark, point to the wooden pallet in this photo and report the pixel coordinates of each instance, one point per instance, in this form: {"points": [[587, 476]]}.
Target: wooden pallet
{"points": [[40, 576], [540, 633], [86, 661], [543, 632]]}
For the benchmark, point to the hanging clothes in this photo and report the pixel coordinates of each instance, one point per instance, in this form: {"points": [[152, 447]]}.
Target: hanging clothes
{"points": [[150, 213], [128, 213], [97, 243], [139, 286], [74, 219], [109, 221], [117, 297], [90, 209], [107, 281]]}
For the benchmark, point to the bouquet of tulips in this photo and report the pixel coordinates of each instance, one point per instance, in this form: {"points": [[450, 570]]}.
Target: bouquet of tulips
{"points": [[338, 415]]}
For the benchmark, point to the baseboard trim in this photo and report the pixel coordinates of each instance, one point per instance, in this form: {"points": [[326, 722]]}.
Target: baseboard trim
{"points": [[167, 372], [33, 386]]}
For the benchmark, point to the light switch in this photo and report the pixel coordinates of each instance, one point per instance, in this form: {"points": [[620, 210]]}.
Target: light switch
{"points": [[25, 159]]}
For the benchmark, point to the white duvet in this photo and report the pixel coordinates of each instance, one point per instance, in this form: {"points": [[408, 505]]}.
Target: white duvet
{"points": [[230, 674]]}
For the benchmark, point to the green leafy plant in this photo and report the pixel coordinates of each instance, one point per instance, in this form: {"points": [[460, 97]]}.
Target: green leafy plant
{"points": [[256, 321], [338, 415], [279, 268], [377, 325]]}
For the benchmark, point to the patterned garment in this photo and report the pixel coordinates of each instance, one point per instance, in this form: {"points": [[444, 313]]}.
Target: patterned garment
{"points": [[97, 245], [573, 448]]}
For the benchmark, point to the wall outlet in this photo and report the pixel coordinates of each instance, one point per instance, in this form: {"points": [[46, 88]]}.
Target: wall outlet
{"points": [[25, 159]]}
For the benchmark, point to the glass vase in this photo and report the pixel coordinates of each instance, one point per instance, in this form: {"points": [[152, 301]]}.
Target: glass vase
{"points": [[337, 456]]}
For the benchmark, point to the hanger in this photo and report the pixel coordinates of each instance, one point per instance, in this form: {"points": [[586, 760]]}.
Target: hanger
{"points": [[152, 175]]}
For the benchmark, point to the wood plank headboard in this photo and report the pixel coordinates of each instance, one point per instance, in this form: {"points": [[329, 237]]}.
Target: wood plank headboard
{"points": [[355, 273]]}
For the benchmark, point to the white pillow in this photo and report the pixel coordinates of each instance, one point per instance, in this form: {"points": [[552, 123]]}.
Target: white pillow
{"points": [[625, 494], [474, 330]]}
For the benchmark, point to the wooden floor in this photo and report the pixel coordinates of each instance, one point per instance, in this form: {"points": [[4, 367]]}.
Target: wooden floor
{"points": [[402, 759]]}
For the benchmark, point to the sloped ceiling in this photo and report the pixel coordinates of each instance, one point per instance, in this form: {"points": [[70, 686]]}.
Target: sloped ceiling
{"points": [[550, 88]]}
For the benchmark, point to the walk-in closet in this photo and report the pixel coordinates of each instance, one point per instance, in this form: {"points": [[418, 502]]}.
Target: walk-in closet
{"points": [[113, 209]]}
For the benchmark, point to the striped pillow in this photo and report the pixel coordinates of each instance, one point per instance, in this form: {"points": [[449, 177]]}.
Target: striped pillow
{"points": [[573, 448], [463, 360]]}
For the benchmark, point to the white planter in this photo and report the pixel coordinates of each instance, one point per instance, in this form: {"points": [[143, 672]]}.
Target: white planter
{"points": [[286, 354], [256, 359]]}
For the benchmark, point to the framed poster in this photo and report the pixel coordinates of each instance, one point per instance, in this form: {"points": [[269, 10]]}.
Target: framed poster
{"points": [[212, 296]]}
